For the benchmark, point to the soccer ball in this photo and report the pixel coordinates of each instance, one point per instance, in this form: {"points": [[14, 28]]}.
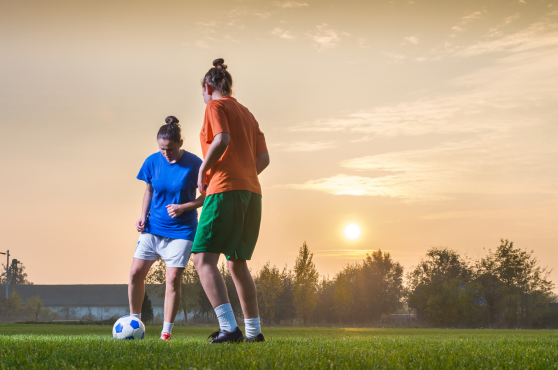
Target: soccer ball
{"points": [[128, 327]]}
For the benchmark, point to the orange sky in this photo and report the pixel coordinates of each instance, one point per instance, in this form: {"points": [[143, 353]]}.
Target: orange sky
{"points": [[427, 123]]}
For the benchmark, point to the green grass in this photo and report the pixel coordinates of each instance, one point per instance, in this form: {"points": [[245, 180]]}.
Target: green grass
{"points": [[84, 347]]}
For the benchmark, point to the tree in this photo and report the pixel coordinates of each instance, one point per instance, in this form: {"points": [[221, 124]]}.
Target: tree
{"points": [[34, 306], [379, 285], [191, 289], [305, 283], [269, 290], [434, 286], [342, 298], [147, 309], [285, 309], [516, 288], [17, 274]]}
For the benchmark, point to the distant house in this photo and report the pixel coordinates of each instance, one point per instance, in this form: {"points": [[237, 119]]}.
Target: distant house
{"points": [[83, 302]]}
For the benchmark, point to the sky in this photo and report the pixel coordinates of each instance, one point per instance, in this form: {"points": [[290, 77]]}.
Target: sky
{"points": [[426, 123]]}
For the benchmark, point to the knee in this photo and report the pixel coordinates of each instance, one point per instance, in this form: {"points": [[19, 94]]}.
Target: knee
{"points": [[136, 275], [173, 280]]}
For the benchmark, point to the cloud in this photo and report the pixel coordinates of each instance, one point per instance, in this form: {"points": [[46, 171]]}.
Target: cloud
{"points": [[362, 43], [502, 119], [411, 39], [326, 37], [290, 4], [283, 34], [396, 58], [305, 146], [202, 44], [466, 19], [238, 12]]}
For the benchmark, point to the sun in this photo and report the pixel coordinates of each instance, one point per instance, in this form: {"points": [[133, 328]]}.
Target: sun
{"points": [[352, 231]]}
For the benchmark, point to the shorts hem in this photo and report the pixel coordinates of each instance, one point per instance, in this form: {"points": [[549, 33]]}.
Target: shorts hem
{"points": [[145, 259]]}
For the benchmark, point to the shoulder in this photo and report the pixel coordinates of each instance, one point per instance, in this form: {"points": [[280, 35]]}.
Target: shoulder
{"points": [[153, 158], [215, 104], [192, 159]]}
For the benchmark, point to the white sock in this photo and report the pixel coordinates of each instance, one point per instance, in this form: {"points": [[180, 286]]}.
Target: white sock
{"points": [[252, 327], [225, 315], [167, 327], [136, 315]]}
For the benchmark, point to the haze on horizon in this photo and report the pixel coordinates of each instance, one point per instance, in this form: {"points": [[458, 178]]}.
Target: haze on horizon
{"points": [[425, 123]]}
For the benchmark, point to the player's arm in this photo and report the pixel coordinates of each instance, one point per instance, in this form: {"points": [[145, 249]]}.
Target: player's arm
{"points": [[176, 210], [140, 224], [216, 150], [262, 161]]}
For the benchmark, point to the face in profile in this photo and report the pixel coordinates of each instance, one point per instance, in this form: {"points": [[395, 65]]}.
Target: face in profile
{"points": [[169, 149]]}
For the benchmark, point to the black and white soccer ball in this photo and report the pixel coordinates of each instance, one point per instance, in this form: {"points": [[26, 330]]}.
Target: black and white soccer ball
{"points": [[128, 327]]}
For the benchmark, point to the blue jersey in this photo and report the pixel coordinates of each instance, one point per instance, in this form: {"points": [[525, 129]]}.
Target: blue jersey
{"points": [[173, 183]]}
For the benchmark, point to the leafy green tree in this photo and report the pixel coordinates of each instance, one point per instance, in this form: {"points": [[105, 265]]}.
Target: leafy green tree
{"points": [[516, 288], [285, 310], [342, 298], [325, 293], [34, 306], [17, 275], [269, 290], [305, 284], [434, 286], [191, 289], [147, 309]]}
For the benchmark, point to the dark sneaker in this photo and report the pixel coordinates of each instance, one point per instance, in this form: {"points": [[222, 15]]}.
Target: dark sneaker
{"points": [[223, 336], [257, 338]]}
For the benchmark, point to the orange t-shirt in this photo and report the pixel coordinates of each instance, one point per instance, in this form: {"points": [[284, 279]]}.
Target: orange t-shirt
{"points": [[236, 169]]}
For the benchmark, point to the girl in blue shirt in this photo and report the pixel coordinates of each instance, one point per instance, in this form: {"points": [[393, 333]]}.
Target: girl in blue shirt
{"points": [[168, 221]]}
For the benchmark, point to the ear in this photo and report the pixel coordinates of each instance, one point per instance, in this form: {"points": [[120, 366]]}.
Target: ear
{"points": [[181, 142], [208, 89]]}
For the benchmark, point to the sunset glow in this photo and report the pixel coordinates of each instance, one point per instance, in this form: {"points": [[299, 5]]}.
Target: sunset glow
{"points": [[352, 231], [423, 123]]}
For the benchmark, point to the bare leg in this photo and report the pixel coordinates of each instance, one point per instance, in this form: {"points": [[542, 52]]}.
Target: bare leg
{"points": [[172, 293], [136, 287], [210, 277], [245, 287]]}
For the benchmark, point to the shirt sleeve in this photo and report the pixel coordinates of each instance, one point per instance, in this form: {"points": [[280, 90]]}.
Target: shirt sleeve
{"points": [[215, 121], [145, 173]]}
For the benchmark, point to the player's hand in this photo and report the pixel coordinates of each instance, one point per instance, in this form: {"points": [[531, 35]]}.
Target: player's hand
{"points": [[201, 182], [174, 210], [140, 225]]}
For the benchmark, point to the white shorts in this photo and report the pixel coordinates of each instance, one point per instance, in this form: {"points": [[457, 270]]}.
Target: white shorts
{"points": [[175, 252]]}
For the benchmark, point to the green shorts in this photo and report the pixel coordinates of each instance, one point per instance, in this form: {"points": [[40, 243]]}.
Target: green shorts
{"points": [[229, 224]]}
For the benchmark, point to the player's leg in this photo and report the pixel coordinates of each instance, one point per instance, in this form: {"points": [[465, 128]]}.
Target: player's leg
{"points": [[245, 287], [210, 277], [176, 254], [136, 287], [216, 290], [219, 232], [241, 274], [144, 256]]}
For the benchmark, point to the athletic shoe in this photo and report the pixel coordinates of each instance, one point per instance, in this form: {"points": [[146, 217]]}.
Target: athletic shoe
{"points": [[257, 338], [165, 336], [223, 336]]}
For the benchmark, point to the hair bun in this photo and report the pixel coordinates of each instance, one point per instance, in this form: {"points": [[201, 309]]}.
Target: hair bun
{"points": [[171, 120], [218, 63]]}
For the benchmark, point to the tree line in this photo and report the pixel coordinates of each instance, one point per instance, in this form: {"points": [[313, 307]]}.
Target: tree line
{"points": [[507, 288]]}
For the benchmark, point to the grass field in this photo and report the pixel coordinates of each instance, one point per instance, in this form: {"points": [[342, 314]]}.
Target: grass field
{"points": [[87, 347]]}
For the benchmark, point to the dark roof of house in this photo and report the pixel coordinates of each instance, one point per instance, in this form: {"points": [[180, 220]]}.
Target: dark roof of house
{"points": [[101, 295]]}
